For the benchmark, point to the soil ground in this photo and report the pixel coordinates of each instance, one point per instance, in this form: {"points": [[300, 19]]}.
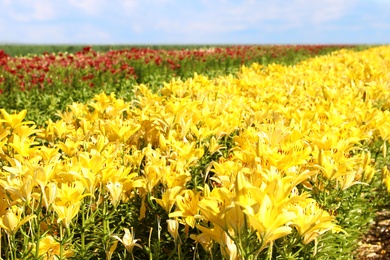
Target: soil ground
{"points": [[376, 243]]}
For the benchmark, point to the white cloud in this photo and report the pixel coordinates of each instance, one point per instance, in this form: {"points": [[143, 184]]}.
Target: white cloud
{"points": [[40, 10], [5, 2], [296, 11], [222, 16], [324, 11], [34, 34], [90, 7], [383, 1], [89, 34], [53, 34], [195, 20], [129, 5], [220, 20]]}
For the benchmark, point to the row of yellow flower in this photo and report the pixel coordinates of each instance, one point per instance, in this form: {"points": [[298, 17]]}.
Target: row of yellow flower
{"points": [[279, 134]]}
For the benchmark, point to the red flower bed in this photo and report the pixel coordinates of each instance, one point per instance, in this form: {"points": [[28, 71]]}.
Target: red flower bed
{"points": [[88, 68]]}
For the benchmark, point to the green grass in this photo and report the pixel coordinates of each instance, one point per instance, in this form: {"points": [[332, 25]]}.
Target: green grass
{"points": [[15, 50]]}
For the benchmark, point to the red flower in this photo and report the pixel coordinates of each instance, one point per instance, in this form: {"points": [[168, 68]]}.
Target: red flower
{"points": [[87, 49]]}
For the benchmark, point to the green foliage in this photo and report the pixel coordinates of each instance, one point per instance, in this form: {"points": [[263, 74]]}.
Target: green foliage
{"points": [[26, 49]]}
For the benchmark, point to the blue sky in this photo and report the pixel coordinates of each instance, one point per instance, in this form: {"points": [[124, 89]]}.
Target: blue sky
{"points": [[195, 21]]}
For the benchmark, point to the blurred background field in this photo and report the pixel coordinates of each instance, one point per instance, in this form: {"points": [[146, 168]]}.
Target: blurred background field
{"points": [[47, 78], [26, 49]]}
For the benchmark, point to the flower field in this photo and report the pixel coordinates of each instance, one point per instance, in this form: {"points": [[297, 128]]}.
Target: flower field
{"points": [[275, 162], [48, 82]]}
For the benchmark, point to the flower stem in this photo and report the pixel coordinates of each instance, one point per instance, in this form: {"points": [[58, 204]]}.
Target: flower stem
{"points": [[83, 233], [38, 227], [61, 242]]}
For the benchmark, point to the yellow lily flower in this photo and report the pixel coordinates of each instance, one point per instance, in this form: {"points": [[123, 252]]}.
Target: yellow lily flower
{"points": [[228, 247], [187, 153], [386, 176], [311, 221], [50, 194], [23, 146], [67, 212], [175, 174], [213, 210], [59, 129], [230, 250], [269, 221], [69, 193], [69, 147], [18, 187], [205, 241], [122, 130], [216, 233], [12, 220], [49, 248], [24, 131], [168, 198], [214, 146], [14, 120], [43, 175], [112, 173], [220, 209], [4, 199], [242, 187], [152, 177], [327, 165], [115, 189], [386, 181], [187, 206], [101, 143], [49, 155]]}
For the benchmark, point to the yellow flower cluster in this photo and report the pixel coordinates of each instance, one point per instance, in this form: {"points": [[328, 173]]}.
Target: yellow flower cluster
{"points": [[263, 141]]}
